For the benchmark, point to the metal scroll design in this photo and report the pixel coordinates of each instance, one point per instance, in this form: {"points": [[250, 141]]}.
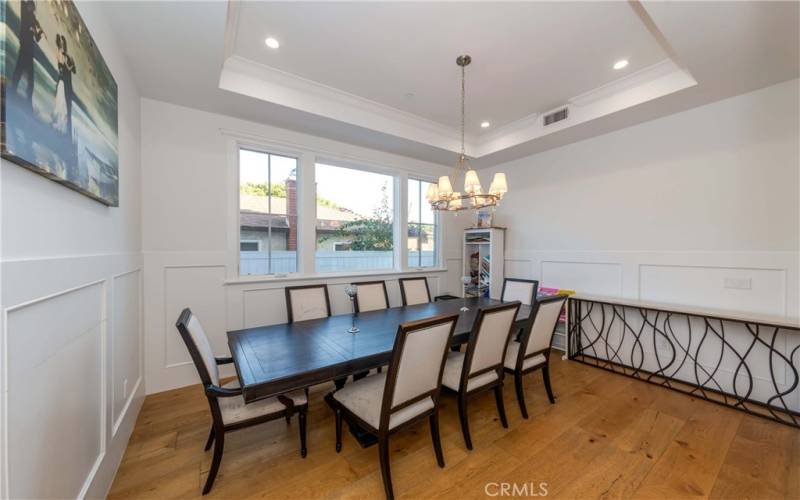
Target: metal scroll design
{"points": [[709, 358]]}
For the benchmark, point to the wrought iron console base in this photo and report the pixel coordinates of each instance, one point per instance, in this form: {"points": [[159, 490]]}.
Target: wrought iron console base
{"points": [[622, 338]]}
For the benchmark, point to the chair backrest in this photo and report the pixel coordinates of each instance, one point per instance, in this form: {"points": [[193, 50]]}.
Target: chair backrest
{"points": [[518, 289], [546, 312], [414, 291], [486, 349], [199, 348], [371, 296], [307, 302], [415, 371]]}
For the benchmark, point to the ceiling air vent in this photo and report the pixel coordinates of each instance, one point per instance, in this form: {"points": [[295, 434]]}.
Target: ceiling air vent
{"points": [[556, 116]]}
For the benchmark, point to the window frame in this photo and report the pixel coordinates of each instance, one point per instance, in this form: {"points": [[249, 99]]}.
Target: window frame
{"points": [[308, 156], [235, 179], [437, 261]]}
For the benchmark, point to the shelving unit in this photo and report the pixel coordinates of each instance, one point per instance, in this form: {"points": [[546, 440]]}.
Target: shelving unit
{"points": [[483, 262]]}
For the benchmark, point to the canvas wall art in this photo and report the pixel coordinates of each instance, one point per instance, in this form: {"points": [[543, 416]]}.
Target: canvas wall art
{"points": [[59, 99]]}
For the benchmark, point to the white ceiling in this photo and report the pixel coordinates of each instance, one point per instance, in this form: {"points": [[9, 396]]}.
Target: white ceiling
{"points": [[344, 69], [527, 57]]}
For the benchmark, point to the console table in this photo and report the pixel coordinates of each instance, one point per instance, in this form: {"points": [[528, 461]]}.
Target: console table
{"points": [[747, 362]]}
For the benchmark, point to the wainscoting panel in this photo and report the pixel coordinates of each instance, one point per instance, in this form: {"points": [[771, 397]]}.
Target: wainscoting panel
{"points": [[602, 278], [125, 343], [455, 270], [56, 431], [201, 289], [264, 306], [761, 291], [174, 280]]}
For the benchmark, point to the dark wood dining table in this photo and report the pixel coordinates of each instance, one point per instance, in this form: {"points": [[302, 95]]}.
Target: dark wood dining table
{"points": [[274, 359]]}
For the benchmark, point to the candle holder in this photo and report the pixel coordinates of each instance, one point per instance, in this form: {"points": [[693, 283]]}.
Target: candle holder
{"points": [[352, 291], [466, 280]]}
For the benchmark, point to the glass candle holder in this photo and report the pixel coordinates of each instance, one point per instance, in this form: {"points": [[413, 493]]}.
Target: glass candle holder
{"points": [[352, 291]]}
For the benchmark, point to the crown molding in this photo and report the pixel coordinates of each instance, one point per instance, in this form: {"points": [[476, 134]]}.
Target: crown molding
{"points": [[653, 82], [627, 82], [259, 81]]}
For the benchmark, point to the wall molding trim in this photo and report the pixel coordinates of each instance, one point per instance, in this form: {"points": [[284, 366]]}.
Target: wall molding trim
{"points": [[103, 333]]}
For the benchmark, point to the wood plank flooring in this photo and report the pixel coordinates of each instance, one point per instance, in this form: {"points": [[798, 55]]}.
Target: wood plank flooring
{"points": [[607, 436]]}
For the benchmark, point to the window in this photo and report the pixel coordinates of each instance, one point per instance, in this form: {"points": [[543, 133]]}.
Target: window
{"points": [[342, 246], [267, 213], [355, 224], [249, 246], [422, 227]]}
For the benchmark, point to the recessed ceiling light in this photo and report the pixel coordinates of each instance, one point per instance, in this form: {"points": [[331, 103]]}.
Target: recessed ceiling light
{"points": [[485, 124], [620, 64], [272, 43]]}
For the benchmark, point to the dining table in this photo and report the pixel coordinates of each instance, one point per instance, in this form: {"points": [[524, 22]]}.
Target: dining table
{"points": [[271, 360]]}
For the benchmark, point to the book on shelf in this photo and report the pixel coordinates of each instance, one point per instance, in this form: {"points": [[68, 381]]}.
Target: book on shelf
{"points": [[547, 292], [477, 238]]}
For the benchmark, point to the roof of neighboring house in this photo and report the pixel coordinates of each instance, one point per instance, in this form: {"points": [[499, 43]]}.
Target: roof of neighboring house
{"points": [[255, 214]]}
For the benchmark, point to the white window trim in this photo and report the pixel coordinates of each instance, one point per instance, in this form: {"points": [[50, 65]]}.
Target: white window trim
{"points": [[437, 232], [234, 145], [307, 158]]}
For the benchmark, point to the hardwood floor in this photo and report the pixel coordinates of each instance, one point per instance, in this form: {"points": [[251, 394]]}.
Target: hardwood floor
{"points": [[607, 436]]}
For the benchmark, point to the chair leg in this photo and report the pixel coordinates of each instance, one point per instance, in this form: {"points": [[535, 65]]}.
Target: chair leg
{"points": [[437, 443], [501, 408], [210, 439], [520, 394], [462, 416], [302, 417], [212, 473], [338, 413], [288, 419], [546, 376], [386, 473]]}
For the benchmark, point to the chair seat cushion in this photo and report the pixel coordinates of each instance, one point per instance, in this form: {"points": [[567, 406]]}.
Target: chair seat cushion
{"points": [[451, 378], [234, 409], [511, 357], [364, 398]]}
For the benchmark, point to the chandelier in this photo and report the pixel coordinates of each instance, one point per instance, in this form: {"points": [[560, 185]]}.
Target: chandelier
{"points": [[441, 195]]}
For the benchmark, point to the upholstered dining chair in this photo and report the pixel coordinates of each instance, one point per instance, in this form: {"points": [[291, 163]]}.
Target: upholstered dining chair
{"points": [[414, 291], [522, 290], [228, 409], [519, 289], [371, 296], [307, 302], [480, 368], [407, 392], [532, 351]]}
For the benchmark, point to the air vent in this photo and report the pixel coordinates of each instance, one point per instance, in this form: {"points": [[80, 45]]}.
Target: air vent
{"points": [[556, 116]]}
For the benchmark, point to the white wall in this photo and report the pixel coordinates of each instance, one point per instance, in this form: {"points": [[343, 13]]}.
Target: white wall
{"points": [[666, 210], [188, 199], [71, 277]]}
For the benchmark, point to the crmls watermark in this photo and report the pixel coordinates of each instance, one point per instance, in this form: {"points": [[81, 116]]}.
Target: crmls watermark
{"points": [[530, 489]]}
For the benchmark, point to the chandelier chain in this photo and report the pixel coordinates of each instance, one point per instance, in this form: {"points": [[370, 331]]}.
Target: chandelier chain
{"points": [[463, 113]]}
